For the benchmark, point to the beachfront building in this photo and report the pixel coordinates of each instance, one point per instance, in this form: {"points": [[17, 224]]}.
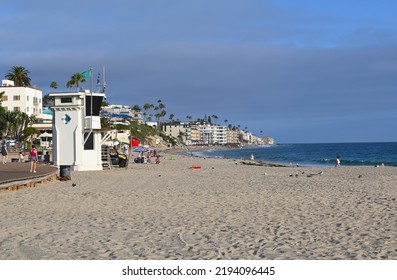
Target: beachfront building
{"points": [[119, 113], [232, 136], [23, 99], [195, 138], [268, 141], [212, 134], [178, 130]]}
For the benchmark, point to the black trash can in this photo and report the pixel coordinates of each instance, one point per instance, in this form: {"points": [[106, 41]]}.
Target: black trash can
{"points": [[64, 171]]}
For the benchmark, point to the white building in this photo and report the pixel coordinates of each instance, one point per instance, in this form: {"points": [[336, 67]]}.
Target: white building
{"points": [[121, 112], [23, 99], [213, 134], [77, 139]]}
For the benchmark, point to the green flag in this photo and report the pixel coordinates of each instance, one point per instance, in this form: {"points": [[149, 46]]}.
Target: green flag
{"points": [[86, 74]]}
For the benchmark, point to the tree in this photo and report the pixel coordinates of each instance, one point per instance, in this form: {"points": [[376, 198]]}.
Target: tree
{"points": [[171, 117], [28, 134], [75, 80], [20, 76], [1, 100], [146, 113], [136, 108], [48, 101], [54, 85]]}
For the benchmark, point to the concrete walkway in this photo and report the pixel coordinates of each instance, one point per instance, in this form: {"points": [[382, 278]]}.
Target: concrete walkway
{"points": [[14, 175]]}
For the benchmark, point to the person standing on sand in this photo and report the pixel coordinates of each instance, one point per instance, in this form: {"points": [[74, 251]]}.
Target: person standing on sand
{"points": [[4, 153], [33, 159], [337, 161], [21, 157]]}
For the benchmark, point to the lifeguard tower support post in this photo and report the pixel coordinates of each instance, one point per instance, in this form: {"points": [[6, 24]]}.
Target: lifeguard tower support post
{"points": [[76, 130]]}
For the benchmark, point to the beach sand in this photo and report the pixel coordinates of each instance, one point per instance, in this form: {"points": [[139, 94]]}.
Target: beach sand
{"points": [[225, 210]]}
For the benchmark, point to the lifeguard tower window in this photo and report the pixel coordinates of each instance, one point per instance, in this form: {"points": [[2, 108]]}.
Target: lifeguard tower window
{"points": [[89, 144], [96, 105], [66, 100]]}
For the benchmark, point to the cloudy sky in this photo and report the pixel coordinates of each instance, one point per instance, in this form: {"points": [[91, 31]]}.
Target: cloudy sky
{"points": [[300, 71]]}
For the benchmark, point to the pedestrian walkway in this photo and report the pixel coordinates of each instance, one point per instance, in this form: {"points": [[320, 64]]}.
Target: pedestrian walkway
{"points": [[14, 175]]}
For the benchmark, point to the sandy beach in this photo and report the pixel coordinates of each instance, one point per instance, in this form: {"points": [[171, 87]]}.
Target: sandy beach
{"points": [[224, 210]]}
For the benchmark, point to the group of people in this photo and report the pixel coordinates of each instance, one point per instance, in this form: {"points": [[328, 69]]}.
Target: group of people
{"points": [[33, 156], [146, 158]]}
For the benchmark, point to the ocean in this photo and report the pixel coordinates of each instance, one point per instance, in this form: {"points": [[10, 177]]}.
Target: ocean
{"points": [[351, 154]]}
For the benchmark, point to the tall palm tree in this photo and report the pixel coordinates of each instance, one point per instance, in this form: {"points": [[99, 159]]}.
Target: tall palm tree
{"points": [[136, 108], [171, 117], [146, 109], [75, 80], [20, 76], [54, 85]]}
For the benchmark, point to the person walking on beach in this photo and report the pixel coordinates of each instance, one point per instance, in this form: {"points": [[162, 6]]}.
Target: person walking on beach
{"points": [[337, 161], [21, 157], [33, 159], [4, 153]]}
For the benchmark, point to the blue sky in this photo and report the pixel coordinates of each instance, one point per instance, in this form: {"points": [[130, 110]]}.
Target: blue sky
{"points": [[300, 71]]}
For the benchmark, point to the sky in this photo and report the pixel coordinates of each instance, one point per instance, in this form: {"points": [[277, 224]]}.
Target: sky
{"points": [[304, 71]]}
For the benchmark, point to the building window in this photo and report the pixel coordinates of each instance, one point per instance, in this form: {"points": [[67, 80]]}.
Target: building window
{"points": [[6, 108], [27, 109], [89, 144], [16, 98], [4, 98], [66, 100], [27, 98], [16, 109]]}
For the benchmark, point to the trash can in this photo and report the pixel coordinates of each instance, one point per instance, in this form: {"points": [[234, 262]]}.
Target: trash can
{"points": [[65, 171]]}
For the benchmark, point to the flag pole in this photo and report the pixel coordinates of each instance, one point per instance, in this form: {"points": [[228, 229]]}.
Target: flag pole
{"points": [[91, 86]]}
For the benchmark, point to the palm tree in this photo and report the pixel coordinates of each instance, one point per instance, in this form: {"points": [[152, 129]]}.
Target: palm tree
{"points": [[20, 76], [75, 80], [54, 85], [136, 108], [146, 109], [171, 117]]}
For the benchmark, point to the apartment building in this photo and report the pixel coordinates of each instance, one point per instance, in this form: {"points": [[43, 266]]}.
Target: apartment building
{"points": [[233, 137], [178, 130], [121, 112], [23, 99], [212, 134]]}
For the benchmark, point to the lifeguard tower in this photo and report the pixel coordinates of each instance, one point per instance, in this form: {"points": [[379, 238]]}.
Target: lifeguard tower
{"points": [[76, 130]]}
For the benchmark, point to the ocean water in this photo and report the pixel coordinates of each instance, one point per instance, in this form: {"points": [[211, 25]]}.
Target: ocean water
{"points": [[351, 154]]}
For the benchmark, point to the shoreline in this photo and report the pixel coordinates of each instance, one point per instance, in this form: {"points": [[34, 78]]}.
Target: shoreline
{"points": [[223, 210], [324, 162]]}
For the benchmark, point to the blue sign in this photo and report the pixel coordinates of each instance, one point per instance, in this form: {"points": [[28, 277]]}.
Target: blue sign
{"points": [[66, 119]]}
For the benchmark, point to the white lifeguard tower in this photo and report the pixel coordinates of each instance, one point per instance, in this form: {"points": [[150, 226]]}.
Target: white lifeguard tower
{"points": [[76, 130]]}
